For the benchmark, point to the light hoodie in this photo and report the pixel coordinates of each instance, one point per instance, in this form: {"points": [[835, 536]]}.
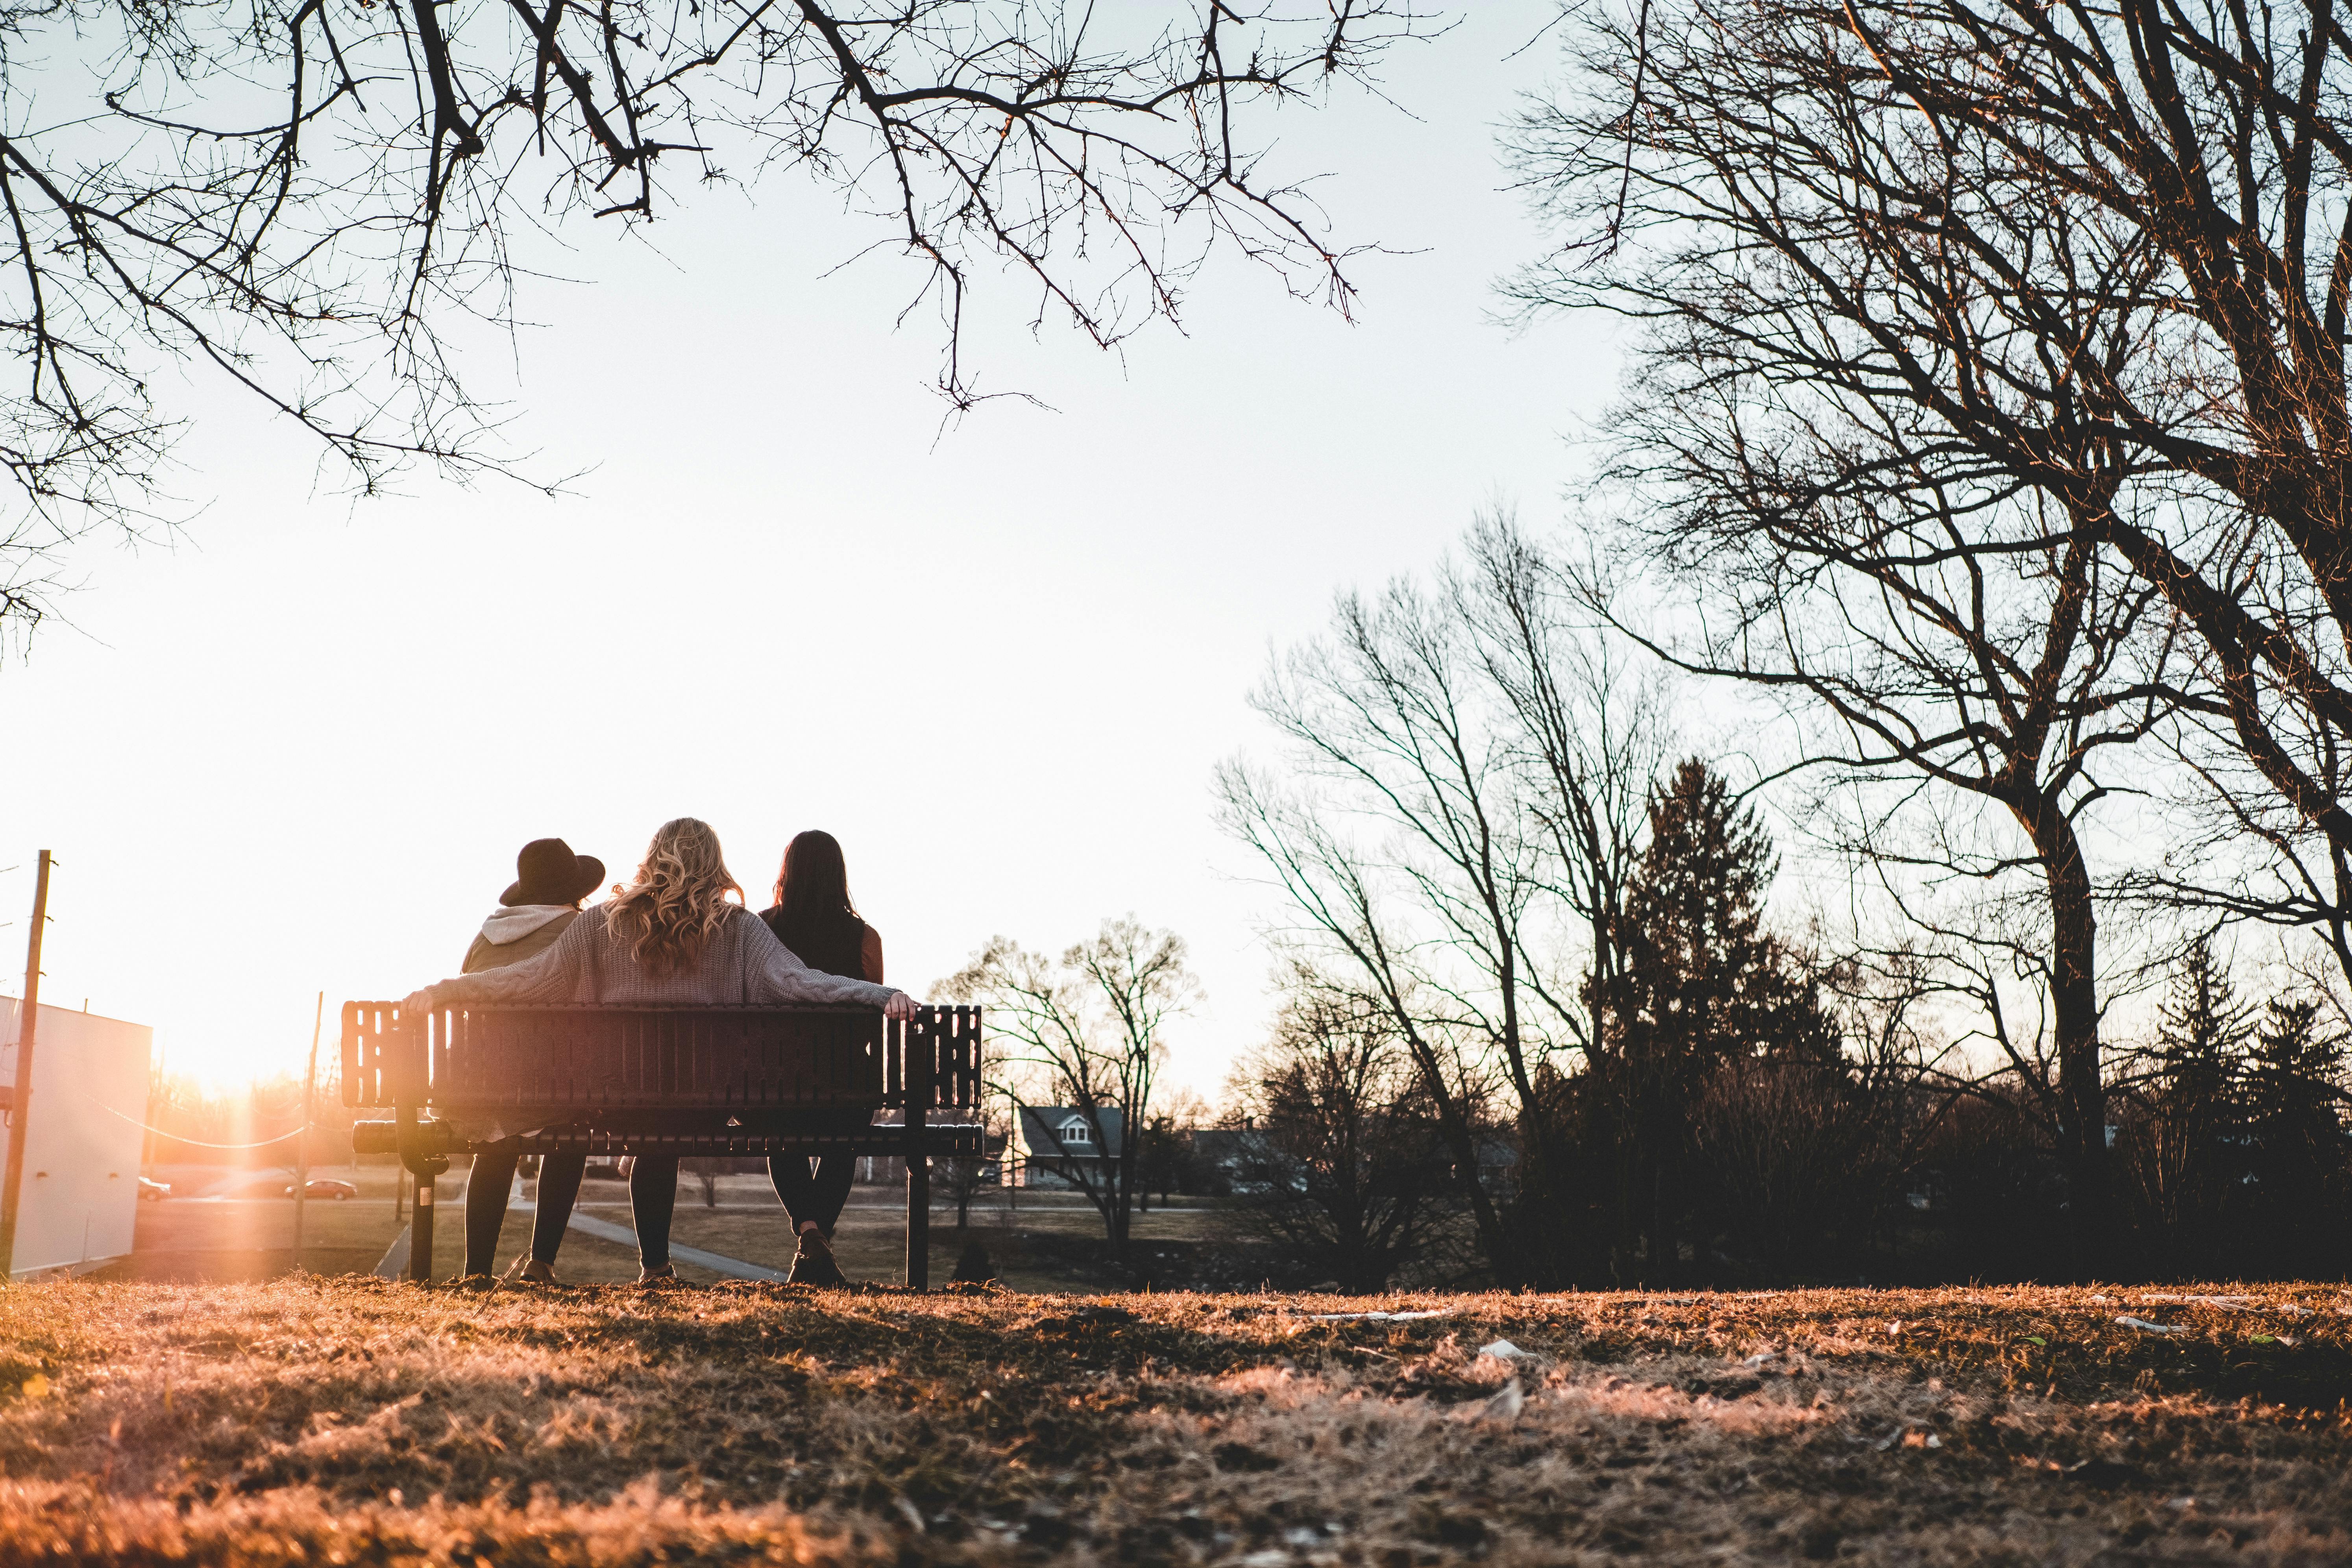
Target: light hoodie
{"points": [[513, 935]]}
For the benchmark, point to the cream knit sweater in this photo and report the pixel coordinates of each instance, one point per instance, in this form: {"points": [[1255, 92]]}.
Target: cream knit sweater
{"points": [[742, 965]]}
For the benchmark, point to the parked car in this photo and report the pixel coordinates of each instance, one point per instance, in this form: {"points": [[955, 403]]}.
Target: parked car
{"points": [[154, 1192], [327, 1187]]}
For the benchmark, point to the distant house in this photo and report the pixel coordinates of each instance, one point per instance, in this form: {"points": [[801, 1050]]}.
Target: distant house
{"points": [[1055, 1145], [1228, 1160]]}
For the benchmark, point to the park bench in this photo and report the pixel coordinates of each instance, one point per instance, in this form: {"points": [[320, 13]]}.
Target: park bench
{"points": [[690, 1081]]}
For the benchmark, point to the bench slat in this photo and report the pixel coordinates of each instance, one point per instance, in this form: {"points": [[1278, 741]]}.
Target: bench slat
{"points": [[683, 1059]]}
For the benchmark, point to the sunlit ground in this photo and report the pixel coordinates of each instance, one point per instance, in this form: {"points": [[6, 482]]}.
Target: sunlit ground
{"points": [[317, 1421]]}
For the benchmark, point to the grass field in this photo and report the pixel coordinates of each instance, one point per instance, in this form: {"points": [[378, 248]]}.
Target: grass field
{"points": [[347, 1421]]}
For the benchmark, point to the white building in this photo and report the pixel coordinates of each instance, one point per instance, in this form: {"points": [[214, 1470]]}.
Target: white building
{"points": [[80, 1197]]}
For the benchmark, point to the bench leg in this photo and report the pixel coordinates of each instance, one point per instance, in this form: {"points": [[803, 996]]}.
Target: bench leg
{"points": [[918, 1219], [420, 1234]]}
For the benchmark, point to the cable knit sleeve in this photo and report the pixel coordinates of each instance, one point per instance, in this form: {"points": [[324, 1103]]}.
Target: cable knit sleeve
{"points": [[774, 973], [550, 976]]}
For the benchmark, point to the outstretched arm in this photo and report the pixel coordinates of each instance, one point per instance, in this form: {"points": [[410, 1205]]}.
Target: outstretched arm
{"points": [[778, 975], [548, 976]]}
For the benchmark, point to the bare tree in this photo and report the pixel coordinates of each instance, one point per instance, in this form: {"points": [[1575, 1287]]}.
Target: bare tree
{"points": [[1917, 632], [1349, 1174], [964, 1177], [1165, 1159], [1089, 1027], [2094, 260], [1459, 808], [299, 198]]}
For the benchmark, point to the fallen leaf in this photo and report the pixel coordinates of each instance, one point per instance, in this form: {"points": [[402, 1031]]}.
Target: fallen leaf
{"points": [[36, 1387]]}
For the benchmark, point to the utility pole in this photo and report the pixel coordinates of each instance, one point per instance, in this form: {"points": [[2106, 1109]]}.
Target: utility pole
{"points": [[12, 1187], [302, 1137]]}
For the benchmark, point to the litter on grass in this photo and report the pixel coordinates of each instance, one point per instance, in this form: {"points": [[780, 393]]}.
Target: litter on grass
{"points": [[2128, 1321], [1505, 1405], [1504, 1350], [2233, 1304], [1374, 1317]]}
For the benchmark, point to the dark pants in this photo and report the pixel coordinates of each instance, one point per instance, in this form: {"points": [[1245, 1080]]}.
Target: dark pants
{"points": [[487, 1189], [819, 1198], [653, 1198], [652, 1184]]}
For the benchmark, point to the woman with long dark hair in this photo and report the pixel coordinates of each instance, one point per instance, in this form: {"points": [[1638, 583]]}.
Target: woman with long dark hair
{"points": [[814, 917]]}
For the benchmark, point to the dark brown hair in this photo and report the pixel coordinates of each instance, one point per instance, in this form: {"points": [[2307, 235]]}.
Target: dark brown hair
{"points": [[813, 915], [814, 881]]}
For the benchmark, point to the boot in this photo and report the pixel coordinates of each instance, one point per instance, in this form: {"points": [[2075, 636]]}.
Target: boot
{"points": [[814, 1263], [530, 1271]]}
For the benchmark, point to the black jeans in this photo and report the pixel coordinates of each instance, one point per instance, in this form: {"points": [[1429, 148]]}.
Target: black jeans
{"points": [[652, 1184], [819, 1198], [487, 1189], [653, 1198]]}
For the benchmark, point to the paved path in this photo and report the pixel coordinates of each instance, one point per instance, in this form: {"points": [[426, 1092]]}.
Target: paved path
{"points": [[718, 1263], [395, 1260]]}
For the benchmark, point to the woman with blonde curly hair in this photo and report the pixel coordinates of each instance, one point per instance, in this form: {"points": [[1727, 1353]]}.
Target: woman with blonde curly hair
{"points": [[670, 936]]}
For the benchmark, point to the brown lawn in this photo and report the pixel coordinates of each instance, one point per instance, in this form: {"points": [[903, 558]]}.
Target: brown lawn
{"points": [[343, 1421]]}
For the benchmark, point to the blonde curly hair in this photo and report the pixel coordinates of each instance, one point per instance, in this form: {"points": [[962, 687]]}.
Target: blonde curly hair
{"points": [[677, 899]]}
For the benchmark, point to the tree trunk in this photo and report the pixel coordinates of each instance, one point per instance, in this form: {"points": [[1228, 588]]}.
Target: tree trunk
{"points": [[2074, 1020], [1461, 1142]]}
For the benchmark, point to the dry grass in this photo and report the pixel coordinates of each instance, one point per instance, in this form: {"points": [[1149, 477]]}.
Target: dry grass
{"points": [[359, 1421]]}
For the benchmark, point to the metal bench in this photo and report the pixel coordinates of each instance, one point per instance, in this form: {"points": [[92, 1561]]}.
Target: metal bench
{"points": [[690, 1081]]}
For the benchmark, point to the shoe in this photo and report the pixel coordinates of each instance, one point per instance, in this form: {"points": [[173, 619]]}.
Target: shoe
{"points": [[530, 1271], [814, 1263], [666, 1275]]}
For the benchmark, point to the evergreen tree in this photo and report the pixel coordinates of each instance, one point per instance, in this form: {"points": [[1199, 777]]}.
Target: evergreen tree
{"points": [[1703, 982], [2295, 1074], [2302, 1165], [2186, 1151], [2202, 1033]]}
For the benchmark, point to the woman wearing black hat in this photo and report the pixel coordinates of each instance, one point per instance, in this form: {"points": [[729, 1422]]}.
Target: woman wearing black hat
{"points": [[549, 883]]}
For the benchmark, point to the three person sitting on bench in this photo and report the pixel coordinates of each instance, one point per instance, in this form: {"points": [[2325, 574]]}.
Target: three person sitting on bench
{"points": [[668, 938]]}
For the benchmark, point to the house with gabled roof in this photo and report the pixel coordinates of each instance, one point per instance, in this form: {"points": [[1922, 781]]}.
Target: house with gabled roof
{"points": [[1054, 1145]]}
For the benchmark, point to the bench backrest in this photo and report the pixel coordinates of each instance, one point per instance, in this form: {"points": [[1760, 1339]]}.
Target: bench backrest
{"points": [[677, 1058]]}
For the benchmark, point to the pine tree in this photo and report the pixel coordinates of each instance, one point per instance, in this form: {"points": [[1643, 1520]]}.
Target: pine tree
{"points": [[2295, 1071], [2187, 1151], [2202, 1033], [1707, 981], [1703, 982], [2294, 1114]]}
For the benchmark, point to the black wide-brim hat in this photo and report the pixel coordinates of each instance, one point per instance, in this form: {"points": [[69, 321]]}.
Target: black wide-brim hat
{"points": [[548, 872]]}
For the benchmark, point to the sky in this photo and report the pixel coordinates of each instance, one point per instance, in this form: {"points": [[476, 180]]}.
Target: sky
{"points": [[296, 751]]}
